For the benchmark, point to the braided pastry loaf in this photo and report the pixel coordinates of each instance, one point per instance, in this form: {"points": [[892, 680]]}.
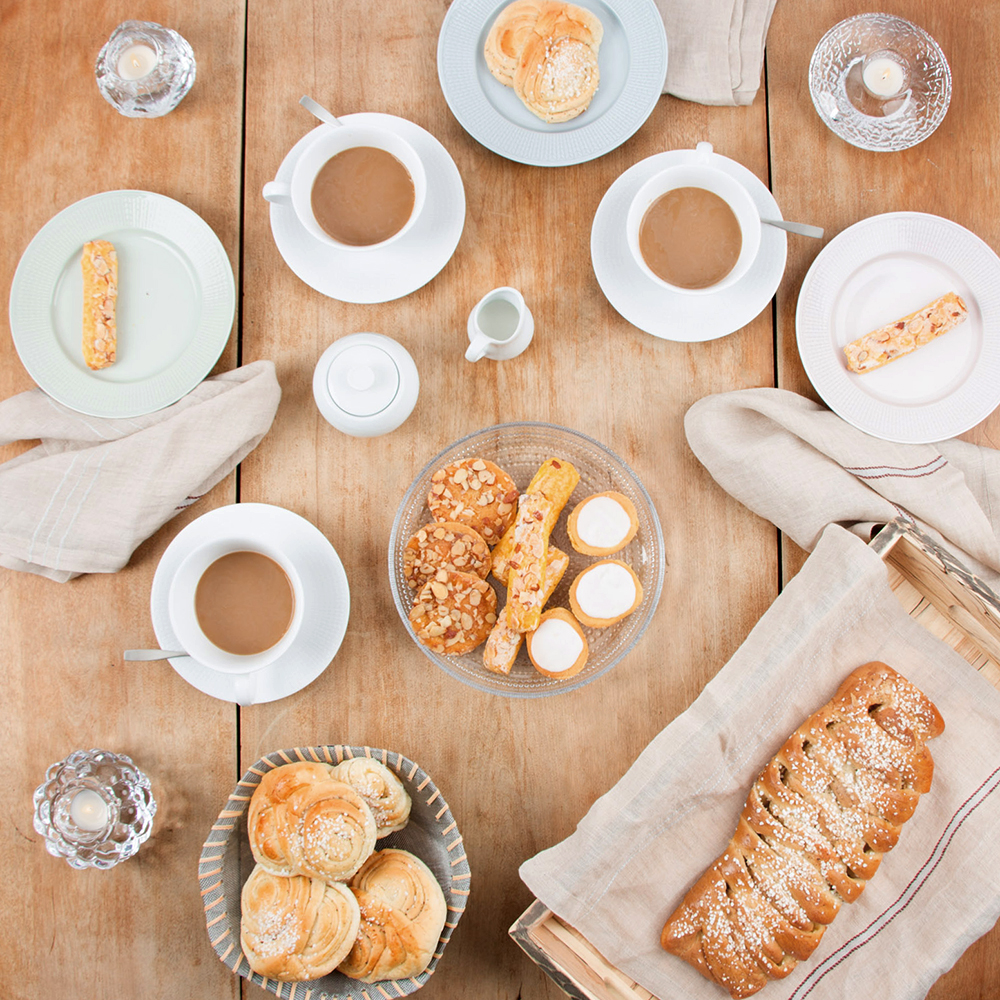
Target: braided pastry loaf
{"points": [[814, 828]]}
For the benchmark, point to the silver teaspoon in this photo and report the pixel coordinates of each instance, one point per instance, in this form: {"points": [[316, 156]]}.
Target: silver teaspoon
{"points": [[795, 227], [319, 111], [153, 654]]}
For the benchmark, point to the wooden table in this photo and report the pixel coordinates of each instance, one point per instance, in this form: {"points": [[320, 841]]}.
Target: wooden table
{"points": [[517, 774]]}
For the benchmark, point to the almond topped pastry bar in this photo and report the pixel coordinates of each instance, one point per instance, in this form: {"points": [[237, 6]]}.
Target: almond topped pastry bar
{"points": [[905, 335], [100, 293]]}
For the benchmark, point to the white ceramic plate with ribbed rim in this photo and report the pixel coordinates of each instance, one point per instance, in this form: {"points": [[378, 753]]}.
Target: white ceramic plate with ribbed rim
{"points": [[326, 601], [882, 269], [226, 862], [519, 449], [390, 272], [176, 301], [633, 66], [674, 315]]}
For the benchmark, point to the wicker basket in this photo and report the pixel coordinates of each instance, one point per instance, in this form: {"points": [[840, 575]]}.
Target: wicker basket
{"points": [[226, 862]]}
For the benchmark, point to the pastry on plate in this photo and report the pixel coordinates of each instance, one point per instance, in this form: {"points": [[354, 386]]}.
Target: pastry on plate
{"points": [[814, 829], [526, 573], [903, 336], [454, 612], [403, 911], [383, 792], [558, 647], [100, 296], [448, 546], [605, 593], [504, 641], [293, 927], [475, 493], [602, 524]]}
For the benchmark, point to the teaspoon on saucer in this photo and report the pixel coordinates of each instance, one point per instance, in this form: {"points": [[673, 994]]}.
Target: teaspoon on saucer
{"points": [[801, 228], [153, 654], [319, 111]]}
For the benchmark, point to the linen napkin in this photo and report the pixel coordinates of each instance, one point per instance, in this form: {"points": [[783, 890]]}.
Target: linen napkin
{"points": [[715, 48], [802, 467], [642, 845], [85, 498]]}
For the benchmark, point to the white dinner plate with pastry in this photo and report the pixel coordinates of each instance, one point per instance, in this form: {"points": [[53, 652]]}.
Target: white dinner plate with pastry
{"points": [[657, 309], [176, 299], [631, 62], [875, 274], [384, 273], [325, 598]]}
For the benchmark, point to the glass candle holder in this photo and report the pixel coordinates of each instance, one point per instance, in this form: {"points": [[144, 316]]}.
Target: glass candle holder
{"points": [[95, 809], [144, 69], [880, 82]]}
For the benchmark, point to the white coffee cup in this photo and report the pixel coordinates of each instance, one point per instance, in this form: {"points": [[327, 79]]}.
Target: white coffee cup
{"points": [[500, 326], [330, 140], [184, 618], [699, 172]]}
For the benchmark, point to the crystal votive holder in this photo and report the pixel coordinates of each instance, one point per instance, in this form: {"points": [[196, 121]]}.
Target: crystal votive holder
{"points": [[95, 808], [144, 69]]}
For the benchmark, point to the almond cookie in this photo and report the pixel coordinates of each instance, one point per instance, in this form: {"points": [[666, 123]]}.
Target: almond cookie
{"points": [[444, 546], [454, 612], [475, 493]]}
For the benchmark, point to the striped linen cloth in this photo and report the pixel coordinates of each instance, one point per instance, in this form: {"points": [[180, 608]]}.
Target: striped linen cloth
{"points": [[95, 488], [802, 467]]}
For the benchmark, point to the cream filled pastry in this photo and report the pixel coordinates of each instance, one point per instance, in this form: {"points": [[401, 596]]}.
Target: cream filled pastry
{"points": [[558, 647], [602, 524], [605, 593]]}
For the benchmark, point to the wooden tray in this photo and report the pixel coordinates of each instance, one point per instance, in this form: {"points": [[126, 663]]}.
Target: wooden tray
{"points": [[939, 593]]}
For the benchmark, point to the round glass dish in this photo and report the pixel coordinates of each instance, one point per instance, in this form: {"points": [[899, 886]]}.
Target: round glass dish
{"points": [[519, 449], [851, 112]]}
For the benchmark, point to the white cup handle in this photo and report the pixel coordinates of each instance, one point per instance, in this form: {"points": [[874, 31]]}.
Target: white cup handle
{"points": [[478, 348], [244, 688], [278, 192]]}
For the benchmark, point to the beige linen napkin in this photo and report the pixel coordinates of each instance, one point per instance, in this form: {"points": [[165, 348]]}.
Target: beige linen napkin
{"points": [[85, 498], [802, 467], [715, 48], [642, 845]]}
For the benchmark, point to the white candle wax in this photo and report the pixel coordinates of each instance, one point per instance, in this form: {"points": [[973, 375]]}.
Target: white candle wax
{"points": [[88, 810], [136, 62], [883, 77]]}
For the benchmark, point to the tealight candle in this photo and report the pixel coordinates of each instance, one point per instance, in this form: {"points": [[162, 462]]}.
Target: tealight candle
{"points": [[136, 62], [883, 74], [88, 810]]}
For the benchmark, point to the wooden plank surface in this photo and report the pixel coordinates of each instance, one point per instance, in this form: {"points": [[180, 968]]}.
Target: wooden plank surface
{"points": [[137, 929], [517, 774]]}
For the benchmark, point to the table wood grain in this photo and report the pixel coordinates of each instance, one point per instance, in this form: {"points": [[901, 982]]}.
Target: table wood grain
{"points": [[518, 775]]}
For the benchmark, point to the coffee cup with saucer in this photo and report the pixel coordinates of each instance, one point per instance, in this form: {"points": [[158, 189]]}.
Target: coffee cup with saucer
{"points": [[326, 143], [697, 172], [394, 268], [325, 602], [184, 618]]}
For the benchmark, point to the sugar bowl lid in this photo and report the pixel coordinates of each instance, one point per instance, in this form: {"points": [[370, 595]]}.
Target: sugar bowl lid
{"points": [[366, 384]]}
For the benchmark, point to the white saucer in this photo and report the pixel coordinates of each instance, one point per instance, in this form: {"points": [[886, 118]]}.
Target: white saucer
{"points": [[327, 602], [176, 300], [674, 315], [403, 266], [876, 271]]}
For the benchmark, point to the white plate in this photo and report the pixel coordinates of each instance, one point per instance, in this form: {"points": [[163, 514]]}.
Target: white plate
{"points": [[326, 599], [406, 264], [879, 270], [632, 62], [674, 315], [176, 300]]}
